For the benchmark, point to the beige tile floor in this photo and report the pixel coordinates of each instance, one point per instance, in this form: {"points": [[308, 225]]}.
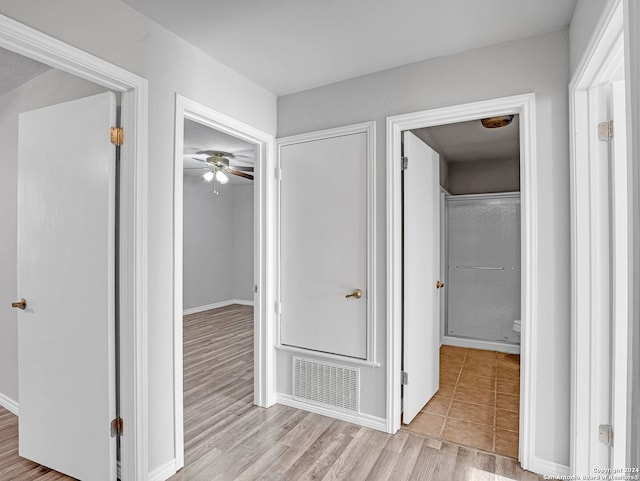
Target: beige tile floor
{"points": [[478, 402]]}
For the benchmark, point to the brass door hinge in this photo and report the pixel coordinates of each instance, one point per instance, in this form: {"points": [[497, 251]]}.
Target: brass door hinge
{"points": [[605, 130], [117, 136], [117, 426]]}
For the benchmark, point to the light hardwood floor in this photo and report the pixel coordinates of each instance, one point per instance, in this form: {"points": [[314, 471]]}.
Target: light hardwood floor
{"points": [[227, 438]]}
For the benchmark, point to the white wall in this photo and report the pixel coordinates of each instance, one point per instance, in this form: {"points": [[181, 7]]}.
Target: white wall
{"points": [[243, 241], [218, 243], [539, 64], [50, 88], [115, 32], [584, 20]]}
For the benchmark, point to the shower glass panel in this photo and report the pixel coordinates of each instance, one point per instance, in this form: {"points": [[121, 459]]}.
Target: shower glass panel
{"points": [[483, 267]]}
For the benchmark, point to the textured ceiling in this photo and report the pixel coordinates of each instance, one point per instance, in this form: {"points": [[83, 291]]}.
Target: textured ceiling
{"points": [[470, 141], [292, 45]]}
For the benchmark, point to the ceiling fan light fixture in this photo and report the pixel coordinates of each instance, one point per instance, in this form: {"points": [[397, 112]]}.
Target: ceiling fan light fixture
{"points": [[208, 176], [222, 177], [497, 122]]}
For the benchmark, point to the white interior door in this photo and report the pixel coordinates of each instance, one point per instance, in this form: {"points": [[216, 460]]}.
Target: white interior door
{"points": [[323, 245], [66, 266], [421, 320]]}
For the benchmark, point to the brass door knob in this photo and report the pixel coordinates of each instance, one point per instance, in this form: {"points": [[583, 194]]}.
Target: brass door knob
{"points": [[439, 285], [21, 304], [357, 294]]}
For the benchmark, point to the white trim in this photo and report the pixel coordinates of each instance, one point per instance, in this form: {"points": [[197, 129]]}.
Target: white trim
{"points": [[549, 469], [327, 355], [216, 305], [164, 472], [369, 129], [478, 344], [33, 44], [360, 419], [9, 404], [603, 57], [524, 105], [264, 358]]}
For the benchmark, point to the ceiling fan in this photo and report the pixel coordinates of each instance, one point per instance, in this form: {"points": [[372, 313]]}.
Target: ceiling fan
{"points": [[217, 166]]}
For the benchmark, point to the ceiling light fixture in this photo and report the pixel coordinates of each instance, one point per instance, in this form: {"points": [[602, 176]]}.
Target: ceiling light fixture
{"points": [[221, 177], [208, 176], [497, 122]]}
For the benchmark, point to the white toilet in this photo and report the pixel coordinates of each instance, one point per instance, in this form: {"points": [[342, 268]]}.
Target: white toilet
{"points": [[516, 327]]}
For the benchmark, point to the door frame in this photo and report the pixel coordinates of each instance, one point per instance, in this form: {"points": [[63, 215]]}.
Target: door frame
{"points": [[603, 57], [31, 43], [264, 256], [524, 105]]}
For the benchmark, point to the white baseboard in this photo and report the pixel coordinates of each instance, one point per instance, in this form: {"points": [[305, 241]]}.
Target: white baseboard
{"points": [[475, 344], [360, 419], [242, 302], [549, 469], [9, 404], [164, 472], [216, 305]]}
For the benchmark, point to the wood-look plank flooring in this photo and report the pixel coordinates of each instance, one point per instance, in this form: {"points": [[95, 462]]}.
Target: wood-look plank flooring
{"points": [[227, 438]]}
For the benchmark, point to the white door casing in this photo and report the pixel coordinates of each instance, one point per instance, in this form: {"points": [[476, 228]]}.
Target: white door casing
{"points": [[524, 105], [323, 245], [619, 275], [421, 297], [66, 273], [600, 203]]}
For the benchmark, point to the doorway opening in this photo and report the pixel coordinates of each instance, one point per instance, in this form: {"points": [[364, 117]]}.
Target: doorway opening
{"points": [[221, 268], [477, 403], [218, 277], [601, 228], [522, 108], [83, 69]]}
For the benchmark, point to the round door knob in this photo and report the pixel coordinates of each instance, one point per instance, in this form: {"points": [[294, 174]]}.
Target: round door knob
{"points": [[439, 285], [357, 294], [21, 304]]}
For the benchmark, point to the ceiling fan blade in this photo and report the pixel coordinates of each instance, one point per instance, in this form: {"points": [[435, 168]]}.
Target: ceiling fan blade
{"points": [[242, 168], [196, 168], [200, 160], [239, 174]]}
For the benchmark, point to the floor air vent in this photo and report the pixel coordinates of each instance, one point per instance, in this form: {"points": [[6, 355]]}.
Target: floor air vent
{"points": [[326, 384]]}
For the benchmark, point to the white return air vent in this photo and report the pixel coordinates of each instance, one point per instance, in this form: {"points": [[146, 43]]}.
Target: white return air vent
{"points": [[326, 384]]}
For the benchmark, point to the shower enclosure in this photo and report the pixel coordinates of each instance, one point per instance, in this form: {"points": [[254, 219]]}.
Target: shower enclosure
{"points": [[482, 252]]}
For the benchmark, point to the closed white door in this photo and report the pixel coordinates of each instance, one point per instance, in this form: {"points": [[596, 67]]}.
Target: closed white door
{"points": [[421, 320], [323, 245], [66, 274]]}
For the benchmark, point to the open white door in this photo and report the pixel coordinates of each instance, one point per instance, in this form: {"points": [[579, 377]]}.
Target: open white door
{"points": [[421, 320], [66, 273]]}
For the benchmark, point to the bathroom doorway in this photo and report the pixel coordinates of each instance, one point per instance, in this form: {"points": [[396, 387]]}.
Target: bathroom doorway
{"points": [[477, 403], [476, 352]]}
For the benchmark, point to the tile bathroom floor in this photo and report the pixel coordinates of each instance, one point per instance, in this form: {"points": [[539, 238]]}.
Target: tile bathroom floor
{"points": [[478, 402]]}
